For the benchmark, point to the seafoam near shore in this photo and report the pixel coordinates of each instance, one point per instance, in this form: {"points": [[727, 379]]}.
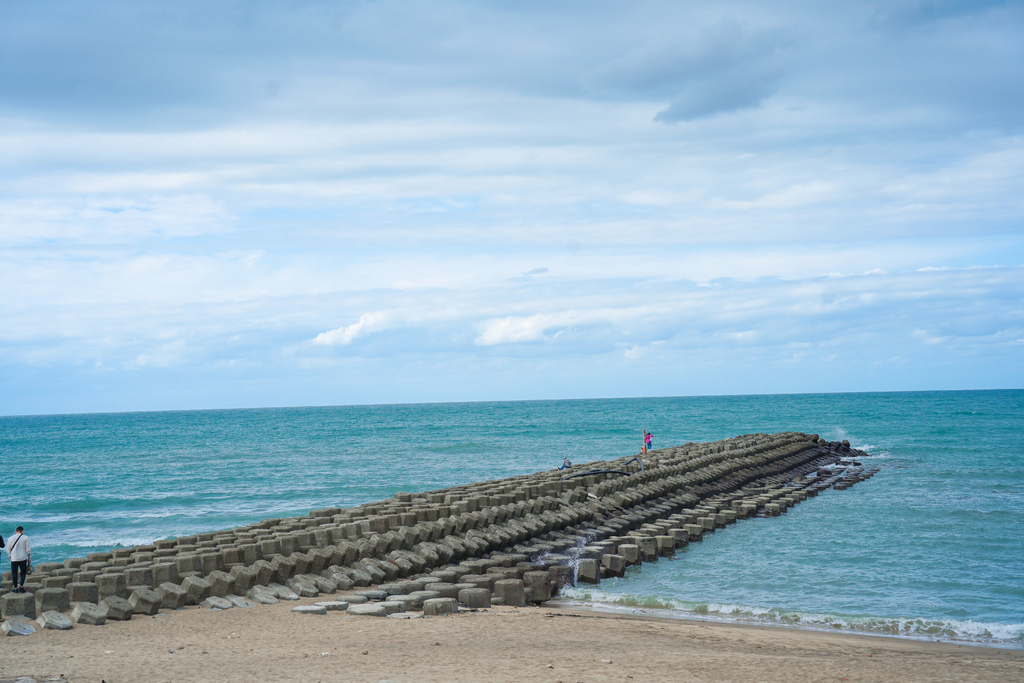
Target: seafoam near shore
{"points": [[948, 493]]}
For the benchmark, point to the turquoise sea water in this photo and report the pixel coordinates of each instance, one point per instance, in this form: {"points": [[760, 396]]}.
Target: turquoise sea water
{"points": [[931, 547]]}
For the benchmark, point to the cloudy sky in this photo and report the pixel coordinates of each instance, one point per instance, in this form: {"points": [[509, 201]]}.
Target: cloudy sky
{"points": [[231, 204]]}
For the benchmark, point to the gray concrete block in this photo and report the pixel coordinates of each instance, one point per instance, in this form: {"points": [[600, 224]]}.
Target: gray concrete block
{"points": [[239, 601], [217, 602], [83, 591], [55, 621], [282, 592], [112, 585], [116, 609], [198, 589], [439, 606], [145, 601], [88, 613], [369, 610], [262, 595], [18, 605], [139, 576], [310, 609], [334, 605], [172, 596], [17, 627], [245, 578], [52, 600], [539, 584], [221, 583], [303, 587], [446, 590], [511, 591], [588, 571], [164, 572], [475, 598]]}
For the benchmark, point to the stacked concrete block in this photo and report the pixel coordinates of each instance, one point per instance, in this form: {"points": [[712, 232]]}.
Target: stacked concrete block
{"points": [[477, 536], [18, 605], [52, 599], [145, 601], [116, 608]]}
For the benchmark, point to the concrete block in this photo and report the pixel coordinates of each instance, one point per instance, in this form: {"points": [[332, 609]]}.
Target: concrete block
{"points": [[588, 571], [282, 592], [217, 602], [264, 573], [55, 620], [446, 590], [116, 609], [239, 601], [221, 583], [164, 572], [245, 578], [394, 606], [112, 585], [369, 610], [666, 545], [17, 627], [562, 576], [18, 605], [439, 606], [303, 587], [187, 562], [52, 600], [198, 589], [310, 609], [613, 564], [172, 596], [262, 595], [630, 552], [334, 605], [88, 613], [139, 576], [648, 549], [83, 591], [475, 598], [511, 592], [145, 601]]}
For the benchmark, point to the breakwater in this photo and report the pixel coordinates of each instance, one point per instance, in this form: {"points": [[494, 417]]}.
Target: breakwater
{"points": [[514, 541]]}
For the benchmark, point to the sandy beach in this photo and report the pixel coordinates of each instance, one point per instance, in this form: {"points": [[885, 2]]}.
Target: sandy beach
{"points": [[547, 643]]}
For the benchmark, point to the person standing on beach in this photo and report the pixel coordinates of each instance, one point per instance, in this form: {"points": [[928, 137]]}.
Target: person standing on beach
{"points": [[20, 552]]}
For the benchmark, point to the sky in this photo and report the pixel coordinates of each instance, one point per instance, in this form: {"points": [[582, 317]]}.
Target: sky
{"points": [[240, 204]]}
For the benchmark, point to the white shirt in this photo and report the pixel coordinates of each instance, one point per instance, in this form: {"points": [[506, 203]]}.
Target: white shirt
{"points": [[18, 550]]}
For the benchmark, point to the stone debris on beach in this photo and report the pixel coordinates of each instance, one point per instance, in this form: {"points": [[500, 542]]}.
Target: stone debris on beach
{"points": [[310, 609], [515, 541]]}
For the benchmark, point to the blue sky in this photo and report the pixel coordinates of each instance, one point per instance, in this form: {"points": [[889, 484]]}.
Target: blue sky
{"points": [[305, 203]]}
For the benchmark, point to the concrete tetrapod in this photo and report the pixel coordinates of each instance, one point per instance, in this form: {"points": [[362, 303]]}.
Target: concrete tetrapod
{"points": [[531, 527]]}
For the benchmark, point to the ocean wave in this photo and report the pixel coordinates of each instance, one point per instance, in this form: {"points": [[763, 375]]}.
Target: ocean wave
{"points": [[958, 630]]}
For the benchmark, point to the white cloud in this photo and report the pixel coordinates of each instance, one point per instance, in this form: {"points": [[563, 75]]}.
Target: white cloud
{"points": [[346, 334]]}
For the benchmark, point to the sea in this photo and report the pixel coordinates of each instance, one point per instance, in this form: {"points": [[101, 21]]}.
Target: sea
{"points": [[930, 548]]}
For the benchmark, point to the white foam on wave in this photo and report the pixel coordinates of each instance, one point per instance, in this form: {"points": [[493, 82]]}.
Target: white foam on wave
{"points": [[962, 631]]}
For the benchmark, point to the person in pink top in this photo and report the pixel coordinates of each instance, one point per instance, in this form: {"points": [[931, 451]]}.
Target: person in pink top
{"points": [[647, 441]]}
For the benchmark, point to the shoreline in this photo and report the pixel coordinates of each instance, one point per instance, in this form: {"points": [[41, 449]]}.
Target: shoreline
{"points": [[655, 613], [544, 643]]}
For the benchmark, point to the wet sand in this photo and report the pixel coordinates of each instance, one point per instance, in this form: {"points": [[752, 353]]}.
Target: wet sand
{"points": [[550, 643]]}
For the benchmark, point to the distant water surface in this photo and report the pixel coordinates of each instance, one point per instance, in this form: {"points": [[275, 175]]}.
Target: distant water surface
{"points": [[930, 548]]}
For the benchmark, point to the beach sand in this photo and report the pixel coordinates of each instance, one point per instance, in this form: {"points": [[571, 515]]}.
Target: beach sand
{"points": [[549, 643]]}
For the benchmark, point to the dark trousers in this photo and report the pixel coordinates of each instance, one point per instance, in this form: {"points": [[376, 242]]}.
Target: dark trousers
{"points": [[21, 566]]}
